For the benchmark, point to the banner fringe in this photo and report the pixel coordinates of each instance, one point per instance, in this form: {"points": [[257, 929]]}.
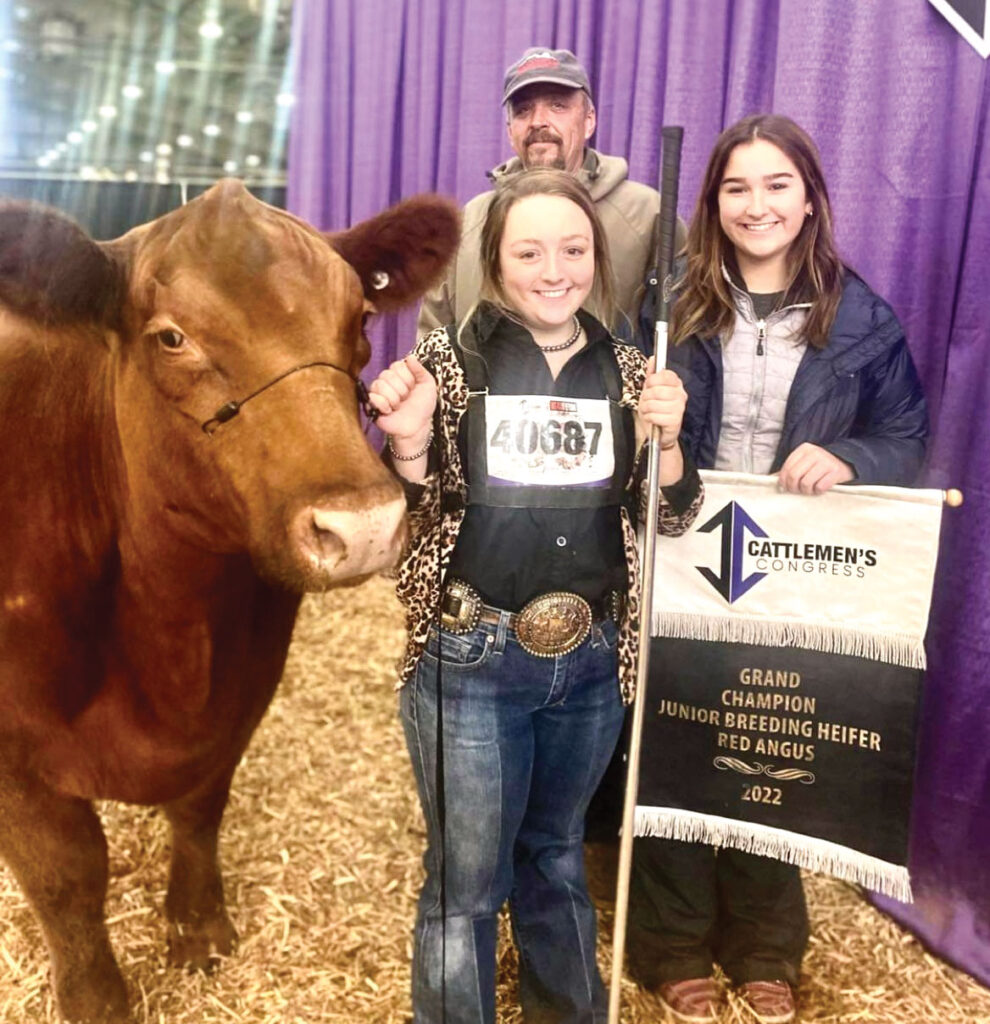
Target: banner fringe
{"points": [[765, 841], [894, 649]]}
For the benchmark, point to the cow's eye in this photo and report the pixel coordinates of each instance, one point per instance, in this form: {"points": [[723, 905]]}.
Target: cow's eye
{"points": [[171, 340]]}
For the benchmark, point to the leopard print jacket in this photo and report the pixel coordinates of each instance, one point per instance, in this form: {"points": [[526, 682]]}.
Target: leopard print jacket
{"points": [[434, 536]]}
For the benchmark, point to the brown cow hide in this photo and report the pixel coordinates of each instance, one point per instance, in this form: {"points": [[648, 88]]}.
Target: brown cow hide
{"points": [[151, 554]]}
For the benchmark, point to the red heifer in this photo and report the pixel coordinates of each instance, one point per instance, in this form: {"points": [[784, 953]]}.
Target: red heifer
{"points": [[152, 548]]}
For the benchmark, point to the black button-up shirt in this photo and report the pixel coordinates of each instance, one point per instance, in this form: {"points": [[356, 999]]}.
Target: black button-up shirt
{"points": [[511, 555]]}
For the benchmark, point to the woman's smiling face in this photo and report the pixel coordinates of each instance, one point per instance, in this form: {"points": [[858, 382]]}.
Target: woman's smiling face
{"points": [[762, 204], [547, 260]]}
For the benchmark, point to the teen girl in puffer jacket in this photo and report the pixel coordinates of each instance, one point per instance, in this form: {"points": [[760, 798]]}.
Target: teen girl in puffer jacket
{"points": [[794, 367]]}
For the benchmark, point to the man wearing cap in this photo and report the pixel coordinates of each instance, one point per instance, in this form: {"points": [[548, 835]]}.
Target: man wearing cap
{"points": [[550, 117]]}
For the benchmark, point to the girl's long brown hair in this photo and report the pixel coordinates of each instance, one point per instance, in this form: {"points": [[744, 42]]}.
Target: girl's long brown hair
{"points": [[704, 304]]}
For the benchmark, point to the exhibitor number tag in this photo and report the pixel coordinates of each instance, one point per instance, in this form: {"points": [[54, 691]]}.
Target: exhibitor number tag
{"points": [[550, 442]]}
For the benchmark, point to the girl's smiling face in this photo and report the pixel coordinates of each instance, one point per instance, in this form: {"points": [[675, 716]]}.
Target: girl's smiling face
{"points": [[762, 204], [547, 260]]}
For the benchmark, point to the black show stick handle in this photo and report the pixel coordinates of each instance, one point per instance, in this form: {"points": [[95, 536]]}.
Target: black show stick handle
{"points": [[671, 137]]}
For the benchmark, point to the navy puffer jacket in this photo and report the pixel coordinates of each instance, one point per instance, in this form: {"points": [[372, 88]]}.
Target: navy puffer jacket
{"points": [[859, 397]]}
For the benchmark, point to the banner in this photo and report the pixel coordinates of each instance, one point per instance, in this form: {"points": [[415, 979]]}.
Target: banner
{"points": [[970, 18], [785, 675]]}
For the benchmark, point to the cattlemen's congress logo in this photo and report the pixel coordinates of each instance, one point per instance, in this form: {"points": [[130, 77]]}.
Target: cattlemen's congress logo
{"points": [[745, 545], [734, 522]]}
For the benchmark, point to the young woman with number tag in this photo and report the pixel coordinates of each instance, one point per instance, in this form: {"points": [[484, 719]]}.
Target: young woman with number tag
{"points": [[518, 433]]}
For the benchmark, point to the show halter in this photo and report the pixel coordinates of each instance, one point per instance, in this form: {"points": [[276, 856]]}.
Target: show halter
{"points": [[230, 409], [379, 280]]}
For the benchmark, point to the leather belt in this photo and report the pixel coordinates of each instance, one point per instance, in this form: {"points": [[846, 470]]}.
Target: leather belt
{"points": [[551, 624]]}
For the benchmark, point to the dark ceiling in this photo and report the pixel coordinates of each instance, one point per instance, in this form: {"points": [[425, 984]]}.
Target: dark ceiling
{"points": [[133, 90]]}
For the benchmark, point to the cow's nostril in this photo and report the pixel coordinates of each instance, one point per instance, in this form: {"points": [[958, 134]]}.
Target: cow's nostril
{"points": [[324, 543], [340, 543]]}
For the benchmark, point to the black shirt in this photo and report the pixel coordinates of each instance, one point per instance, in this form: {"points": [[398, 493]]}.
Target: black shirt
{"points": [[511, 555], [765, 303]]}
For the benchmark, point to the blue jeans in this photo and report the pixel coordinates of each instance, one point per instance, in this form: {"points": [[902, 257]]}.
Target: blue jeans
{"points": [[526, 741]]}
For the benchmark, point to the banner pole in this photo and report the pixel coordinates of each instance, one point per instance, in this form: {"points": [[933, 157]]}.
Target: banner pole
{"points": [[671, 150]]}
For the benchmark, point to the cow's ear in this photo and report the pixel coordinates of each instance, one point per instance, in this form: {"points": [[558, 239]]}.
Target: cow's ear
{"points": [[402, 252], [51, 270]]}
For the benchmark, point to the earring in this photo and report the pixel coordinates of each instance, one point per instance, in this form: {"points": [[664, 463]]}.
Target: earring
{"points": [[808, 213]]}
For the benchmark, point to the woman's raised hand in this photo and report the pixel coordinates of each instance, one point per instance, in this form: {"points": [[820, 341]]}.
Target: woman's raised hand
{"points": [[405, 395]]}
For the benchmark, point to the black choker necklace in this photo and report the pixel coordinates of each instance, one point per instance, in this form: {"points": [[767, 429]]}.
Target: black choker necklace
{"points": [[564, 344]]}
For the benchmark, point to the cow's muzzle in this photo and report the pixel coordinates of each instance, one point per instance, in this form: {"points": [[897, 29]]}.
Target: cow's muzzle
{"points": [[341, 543]]}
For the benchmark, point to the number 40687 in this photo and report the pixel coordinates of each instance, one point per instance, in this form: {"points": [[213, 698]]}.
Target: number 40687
{"points": [[549, 437]]}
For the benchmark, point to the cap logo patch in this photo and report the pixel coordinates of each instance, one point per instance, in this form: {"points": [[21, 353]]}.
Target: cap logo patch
{"points": [[537, 61]]}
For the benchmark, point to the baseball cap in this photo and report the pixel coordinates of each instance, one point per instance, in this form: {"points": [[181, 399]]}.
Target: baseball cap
{"points": [[538, 64]]}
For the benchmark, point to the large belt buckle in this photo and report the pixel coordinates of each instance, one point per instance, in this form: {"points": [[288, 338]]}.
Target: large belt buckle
{"points": [[553, 624], [460, 609]]}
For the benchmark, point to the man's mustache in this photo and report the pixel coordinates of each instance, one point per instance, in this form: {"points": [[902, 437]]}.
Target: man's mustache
{"points": [[535, 135]]}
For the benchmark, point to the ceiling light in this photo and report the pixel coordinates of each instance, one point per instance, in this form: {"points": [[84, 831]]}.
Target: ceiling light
{"points": [[107, 110], [59, 35], [285, 99], [161, 178], [75, 137], [6, 73], [252, 160], [61, 147], [213, 130], [87, 173], [146, 156], [11, 45], [163, 149], [130, 175], [210, 30], [165, 67], [43, 161], [89, 126], [244, 117], [132, 92], [185, 141], [22, 13], [230, 166]]}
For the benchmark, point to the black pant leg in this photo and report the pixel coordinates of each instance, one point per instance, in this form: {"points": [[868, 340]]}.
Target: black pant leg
{"points": [[763, 929], [673, 903]]}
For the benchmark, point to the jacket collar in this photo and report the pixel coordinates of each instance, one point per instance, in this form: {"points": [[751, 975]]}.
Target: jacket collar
{"points": [[489, 317], [599, 173], [857, 336], [744, 302]]}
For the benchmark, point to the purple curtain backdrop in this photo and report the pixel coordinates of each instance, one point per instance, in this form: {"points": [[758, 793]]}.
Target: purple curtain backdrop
{"points": [[401, 96]]}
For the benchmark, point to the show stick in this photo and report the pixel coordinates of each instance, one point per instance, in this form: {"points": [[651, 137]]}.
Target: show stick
{"points": [[671, 151]]}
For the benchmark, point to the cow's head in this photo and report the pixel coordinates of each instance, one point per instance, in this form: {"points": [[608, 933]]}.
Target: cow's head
{"points": [[227, 300]]}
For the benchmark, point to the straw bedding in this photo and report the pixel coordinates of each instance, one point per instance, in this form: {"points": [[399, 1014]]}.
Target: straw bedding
{"points": [[321, 845]]}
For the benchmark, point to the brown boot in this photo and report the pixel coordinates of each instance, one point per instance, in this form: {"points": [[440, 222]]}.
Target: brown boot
{"points": [[691, 1000], [770, 1002]]}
